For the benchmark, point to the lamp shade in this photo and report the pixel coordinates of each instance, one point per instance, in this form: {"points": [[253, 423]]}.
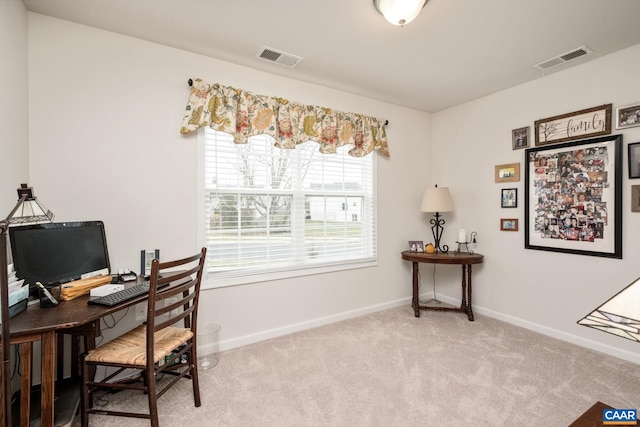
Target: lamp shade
{"points": [[399, 12], [436, 199], [620, 315], [29, 209]]}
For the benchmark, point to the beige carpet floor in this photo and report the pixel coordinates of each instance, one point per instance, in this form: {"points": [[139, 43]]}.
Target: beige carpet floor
{"points": [[392, 369]]}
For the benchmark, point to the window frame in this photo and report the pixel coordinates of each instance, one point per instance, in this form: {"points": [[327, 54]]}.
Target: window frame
{"points": [[291, 272]]}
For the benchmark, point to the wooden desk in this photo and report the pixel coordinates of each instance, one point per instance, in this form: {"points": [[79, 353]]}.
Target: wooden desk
{"points": [[41, 324], [592, 416], [463, 258]]}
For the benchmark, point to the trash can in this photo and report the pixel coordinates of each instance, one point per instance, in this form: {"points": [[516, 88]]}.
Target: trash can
{"points": [[208, 345]]}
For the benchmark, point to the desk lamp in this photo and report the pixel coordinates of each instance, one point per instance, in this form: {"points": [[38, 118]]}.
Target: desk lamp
{"points": [[27, 211], [619, 315], [437, 200]]}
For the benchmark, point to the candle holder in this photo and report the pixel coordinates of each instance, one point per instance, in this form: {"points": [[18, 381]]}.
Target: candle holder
{"points": [[466, 244], [459, 250]]}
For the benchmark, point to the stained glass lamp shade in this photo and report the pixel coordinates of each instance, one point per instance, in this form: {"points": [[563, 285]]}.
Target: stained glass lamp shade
{"points": [[620, 315]]}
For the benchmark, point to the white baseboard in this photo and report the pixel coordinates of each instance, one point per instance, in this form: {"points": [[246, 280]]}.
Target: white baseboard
{"points": [[309, 324], [554, 333], [313, 323]]}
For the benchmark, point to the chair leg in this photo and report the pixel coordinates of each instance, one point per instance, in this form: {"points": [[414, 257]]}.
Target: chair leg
{"points": [[195, 382], [152, 397]]}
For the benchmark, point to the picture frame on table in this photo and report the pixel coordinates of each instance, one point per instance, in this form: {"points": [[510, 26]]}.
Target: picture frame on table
{"points": [[628, 116], [509, 198], [520, 138], [573, 203], [416, 246], [146, 257], [509, 172], [508, 224], [633, 157]]}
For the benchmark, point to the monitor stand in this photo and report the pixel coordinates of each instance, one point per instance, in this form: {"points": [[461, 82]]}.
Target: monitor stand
{"points": [[67, 401]]}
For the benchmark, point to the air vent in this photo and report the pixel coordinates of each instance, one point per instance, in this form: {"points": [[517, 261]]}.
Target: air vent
{"points": [[278, 57], [565, 57]]}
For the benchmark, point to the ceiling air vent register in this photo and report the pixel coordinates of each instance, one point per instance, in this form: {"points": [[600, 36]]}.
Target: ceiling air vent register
{"points": [[279, 57], [565, 57]]}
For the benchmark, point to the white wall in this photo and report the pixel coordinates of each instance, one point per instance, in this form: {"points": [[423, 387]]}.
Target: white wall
{"points": [[13, 102], [546, 291], [105, 113]]}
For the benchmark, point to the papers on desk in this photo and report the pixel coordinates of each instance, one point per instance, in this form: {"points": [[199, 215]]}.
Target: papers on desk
{"points": [[18, 295]]}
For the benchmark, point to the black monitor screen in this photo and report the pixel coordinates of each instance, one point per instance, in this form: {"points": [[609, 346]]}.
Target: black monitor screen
{"points": [[58, 252]]}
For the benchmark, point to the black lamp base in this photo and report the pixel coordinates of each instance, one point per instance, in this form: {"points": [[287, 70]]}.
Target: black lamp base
{"points": [[437, 228]]}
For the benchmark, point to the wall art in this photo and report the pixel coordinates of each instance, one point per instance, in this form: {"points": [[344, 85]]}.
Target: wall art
{"points": [[573, 197], [520, 138], [509, 198], [509, 172], [577, 125], [633, 157], [635, 198], [509, 224], [628, 116]]}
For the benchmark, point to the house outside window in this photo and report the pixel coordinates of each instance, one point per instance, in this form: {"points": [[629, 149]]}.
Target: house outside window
{"points": [[271, 212]]}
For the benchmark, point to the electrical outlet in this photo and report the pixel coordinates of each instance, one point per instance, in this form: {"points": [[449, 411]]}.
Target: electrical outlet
{"points": [[141, 311]]}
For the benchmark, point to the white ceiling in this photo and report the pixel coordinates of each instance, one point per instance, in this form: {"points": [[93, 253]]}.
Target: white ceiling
{"points": [[455, 50]]}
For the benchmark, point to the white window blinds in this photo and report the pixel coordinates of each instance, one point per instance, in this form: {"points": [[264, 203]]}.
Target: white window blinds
{"points": [[270, 210]]}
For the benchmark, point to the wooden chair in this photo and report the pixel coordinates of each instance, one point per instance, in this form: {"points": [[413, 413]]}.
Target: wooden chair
{"points": [[157, 347]]}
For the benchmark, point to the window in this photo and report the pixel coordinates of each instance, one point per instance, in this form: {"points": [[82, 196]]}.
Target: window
{"points": [[271, 212]]}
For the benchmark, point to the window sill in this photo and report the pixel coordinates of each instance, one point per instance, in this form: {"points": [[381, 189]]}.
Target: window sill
{"points": [[212, 282]]}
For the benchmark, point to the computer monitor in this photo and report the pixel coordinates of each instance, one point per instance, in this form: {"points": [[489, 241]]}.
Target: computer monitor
{"points": [[54, 253]]}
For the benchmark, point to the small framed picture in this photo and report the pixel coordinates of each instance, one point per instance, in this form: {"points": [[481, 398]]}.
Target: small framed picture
{"points": [[634, 160], [520, 138], [509, 198], [635, 198], [146, 256], [509, 224], [508, 173], [628, 116], [416, 246]]}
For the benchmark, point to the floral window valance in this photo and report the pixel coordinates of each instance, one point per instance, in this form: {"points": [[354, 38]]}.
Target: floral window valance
{"points": [[244, 114]]}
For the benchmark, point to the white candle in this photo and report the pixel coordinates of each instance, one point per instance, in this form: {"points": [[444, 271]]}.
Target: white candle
{"points": [[462, 236]]}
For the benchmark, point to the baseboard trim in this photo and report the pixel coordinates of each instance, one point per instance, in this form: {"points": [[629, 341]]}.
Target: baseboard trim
{"points": [[309, 324], [554, 333], [321, 321]]}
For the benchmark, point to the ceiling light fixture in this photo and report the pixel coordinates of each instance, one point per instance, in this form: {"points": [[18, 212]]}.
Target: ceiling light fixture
{"points": [[399, 12]]}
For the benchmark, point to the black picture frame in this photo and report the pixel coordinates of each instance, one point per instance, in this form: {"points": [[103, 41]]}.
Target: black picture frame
{"points": [[509, 198], [520, 138], [633, 158], [573, 199]]}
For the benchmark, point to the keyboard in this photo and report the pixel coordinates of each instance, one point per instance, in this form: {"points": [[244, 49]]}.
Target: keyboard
{"points": [[119, 297]]}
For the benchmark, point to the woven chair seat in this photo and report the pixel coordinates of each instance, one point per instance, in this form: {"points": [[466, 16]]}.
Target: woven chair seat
{"points": [[131, 349]]}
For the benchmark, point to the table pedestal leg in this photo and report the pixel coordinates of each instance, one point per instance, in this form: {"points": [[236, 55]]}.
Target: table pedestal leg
{"points": [[463, 304], [469, 290], [416, 296]]}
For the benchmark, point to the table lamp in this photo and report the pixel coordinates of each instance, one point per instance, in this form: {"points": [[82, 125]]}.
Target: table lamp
{"points": [[436, 200], [619, 315], [27, 211]]}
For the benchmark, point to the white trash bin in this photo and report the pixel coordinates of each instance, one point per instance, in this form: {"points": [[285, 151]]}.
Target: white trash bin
{"points": [[208, 335]]}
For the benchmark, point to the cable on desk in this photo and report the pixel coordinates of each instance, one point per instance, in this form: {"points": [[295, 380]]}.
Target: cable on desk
{"points": [[113, 318]]}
